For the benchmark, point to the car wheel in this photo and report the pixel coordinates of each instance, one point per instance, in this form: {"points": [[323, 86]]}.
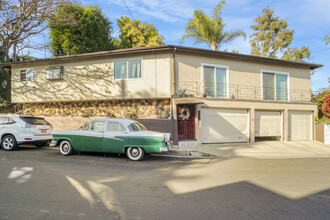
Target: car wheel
{"points": [[66, 148], [9, 143], [135, 153]]}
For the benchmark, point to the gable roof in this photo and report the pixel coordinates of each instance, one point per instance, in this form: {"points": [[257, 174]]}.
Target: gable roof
{"points": [[168, 48]]}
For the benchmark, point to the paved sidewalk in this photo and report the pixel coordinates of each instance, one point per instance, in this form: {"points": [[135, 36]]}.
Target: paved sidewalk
{"points": [[264, 149]]}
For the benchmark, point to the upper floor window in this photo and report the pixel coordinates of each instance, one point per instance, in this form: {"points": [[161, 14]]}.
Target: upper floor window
{"points": [[26, 75], [216, 81], [128, 69], [275, 86], [54, 72]]}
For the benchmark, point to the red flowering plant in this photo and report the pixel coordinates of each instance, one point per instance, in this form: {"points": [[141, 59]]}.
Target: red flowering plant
{"points": [[323, 104]]}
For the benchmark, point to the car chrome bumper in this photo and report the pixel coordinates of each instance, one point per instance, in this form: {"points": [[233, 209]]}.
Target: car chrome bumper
{"points": [[164, 149], [169, 145], [53, 144]]}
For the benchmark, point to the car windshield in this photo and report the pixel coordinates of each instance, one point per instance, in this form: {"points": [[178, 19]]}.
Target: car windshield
{"points": [[34, 121], [137, 126]]}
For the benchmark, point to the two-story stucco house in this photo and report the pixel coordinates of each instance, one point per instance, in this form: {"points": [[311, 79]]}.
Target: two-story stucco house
{"points": [[231, 97]]}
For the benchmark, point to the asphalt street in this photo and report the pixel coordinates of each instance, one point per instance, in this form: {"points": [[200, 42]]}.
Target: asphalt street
{"points": [[39, 183]]}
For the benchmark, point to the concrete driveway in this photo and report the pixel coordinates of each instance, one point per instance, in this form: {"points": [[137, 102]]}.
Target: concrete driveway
{"points": [[267, 149]]}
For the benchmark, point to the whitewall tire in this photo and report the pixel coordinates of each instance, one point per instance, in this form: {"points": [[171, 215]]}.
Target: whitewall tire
{"points": [[66, 148], [135, 153]]}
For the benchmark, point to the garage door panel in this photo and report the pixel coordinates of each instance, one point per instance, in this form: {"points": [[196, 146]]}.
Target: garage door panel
{"points": [[224, 125], [268, 123], [300, 126]]}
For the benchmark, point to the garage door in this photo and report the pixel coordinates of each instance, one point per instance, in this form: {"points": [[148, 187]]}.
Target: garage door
{"points": [[300, 126], [224, 125], [268, 124]]}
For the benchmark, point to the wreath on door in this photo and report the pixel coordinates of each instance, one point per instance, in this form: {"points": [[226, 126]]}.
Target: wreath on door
{"points": [[184, 113]]}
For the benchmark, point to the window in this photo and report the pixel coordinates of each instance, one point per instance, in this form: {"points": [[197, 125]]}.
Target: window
{"points": [[34, 120], [86, 127], [215, 79], [54, 73], [114, 126], [137, 126], [98, 126], [127, 69], [275, 86], [26, 75], [4, 120]]}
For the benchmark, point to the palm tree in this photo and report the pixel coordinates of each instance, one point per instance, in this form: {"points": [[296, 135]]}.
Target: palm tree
{"points": [[208, 30], [327, 39]]}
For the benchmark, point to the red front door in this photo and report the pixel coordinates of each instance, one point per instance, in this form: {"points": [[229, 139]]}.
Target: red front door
{"points": [[186, 122]]}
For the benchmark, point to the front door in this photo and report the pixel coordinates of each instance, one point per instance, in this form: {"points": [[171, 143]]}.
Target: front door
{"points": [[186, 122], [115, 138], [92, 140]]}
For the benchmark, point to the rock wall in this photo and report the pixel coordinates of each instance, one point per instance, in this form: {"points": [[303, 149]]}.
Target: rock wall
{"points": [[114, 109]]}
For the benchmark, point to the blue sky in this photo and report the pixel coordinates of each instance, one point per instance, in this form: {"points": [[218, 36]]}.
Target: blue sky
{"points": [[309, 18]]}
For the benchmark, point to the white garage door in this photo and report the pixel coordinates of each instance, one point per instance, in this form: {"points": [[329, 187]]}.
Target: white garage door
{"points": [[268, 124], [300, 126], [224, 125]]}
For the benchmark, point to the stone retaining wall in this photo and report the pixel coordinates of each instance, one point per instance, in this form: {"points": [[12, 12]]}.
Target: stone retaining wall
{"points": [[114, 109]]}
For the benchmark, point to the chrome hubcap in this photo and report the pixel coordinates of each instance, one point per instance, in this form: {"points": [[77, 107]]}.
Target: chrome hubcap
{"points": [[8, 143], [135, 152], [65, 147]]}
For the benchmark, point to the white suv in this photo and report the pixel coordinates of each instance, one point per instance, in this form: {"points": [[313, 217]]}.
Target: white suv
{"points": [[16, 130]]}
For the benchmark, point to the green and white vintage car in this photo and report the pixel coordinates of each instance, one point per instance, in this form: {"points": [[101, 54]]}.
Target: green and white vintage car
{"points": [[113, 136]]}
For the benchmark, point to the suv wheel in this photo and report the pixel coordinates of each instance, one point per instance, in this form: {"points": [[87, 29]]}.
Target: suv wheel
{"points": [[9, 143]]}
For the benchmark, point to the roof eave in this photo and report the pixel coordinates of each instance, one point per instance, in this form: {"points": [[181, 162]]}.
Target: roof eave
{"points": [[101, 54]]}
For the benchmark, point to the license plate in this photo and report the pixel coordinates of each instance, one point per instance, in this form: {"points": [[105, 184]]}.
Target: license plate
{"points": [[43, 131]]}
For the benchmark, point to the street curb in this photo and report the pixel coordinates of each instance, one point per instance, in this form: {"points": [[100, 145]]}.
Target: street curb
{"points": [[191, 154]]}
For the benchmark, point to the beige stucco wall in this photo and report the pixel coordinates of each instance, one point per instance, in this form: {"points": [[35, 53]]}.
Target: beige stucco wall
{"points": [[93, 79], [243, 74]]}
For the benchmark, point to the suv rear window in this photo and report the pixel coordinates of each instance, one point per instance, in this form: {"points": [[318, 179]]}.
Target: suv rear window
{"points": [[34, 121]]}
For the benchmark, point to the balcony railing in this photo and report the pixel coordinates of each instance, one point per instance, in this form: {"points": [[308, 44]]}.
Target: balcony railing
{"points": [[231, 91]]}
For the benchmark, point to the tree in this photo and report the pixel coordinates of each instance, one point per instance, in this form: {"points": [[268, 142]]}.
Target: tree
{"points": [[137, 34], [327, 39], [271, 37], [210, 30], [21, 19], [323, 104], [295, 54], [76, 29]]}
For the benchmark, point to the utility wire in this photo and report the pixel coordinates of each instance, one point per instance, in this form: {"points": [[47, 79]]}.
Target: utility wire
{"points": [[129, 10], [318, 51], [312, 36]]}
